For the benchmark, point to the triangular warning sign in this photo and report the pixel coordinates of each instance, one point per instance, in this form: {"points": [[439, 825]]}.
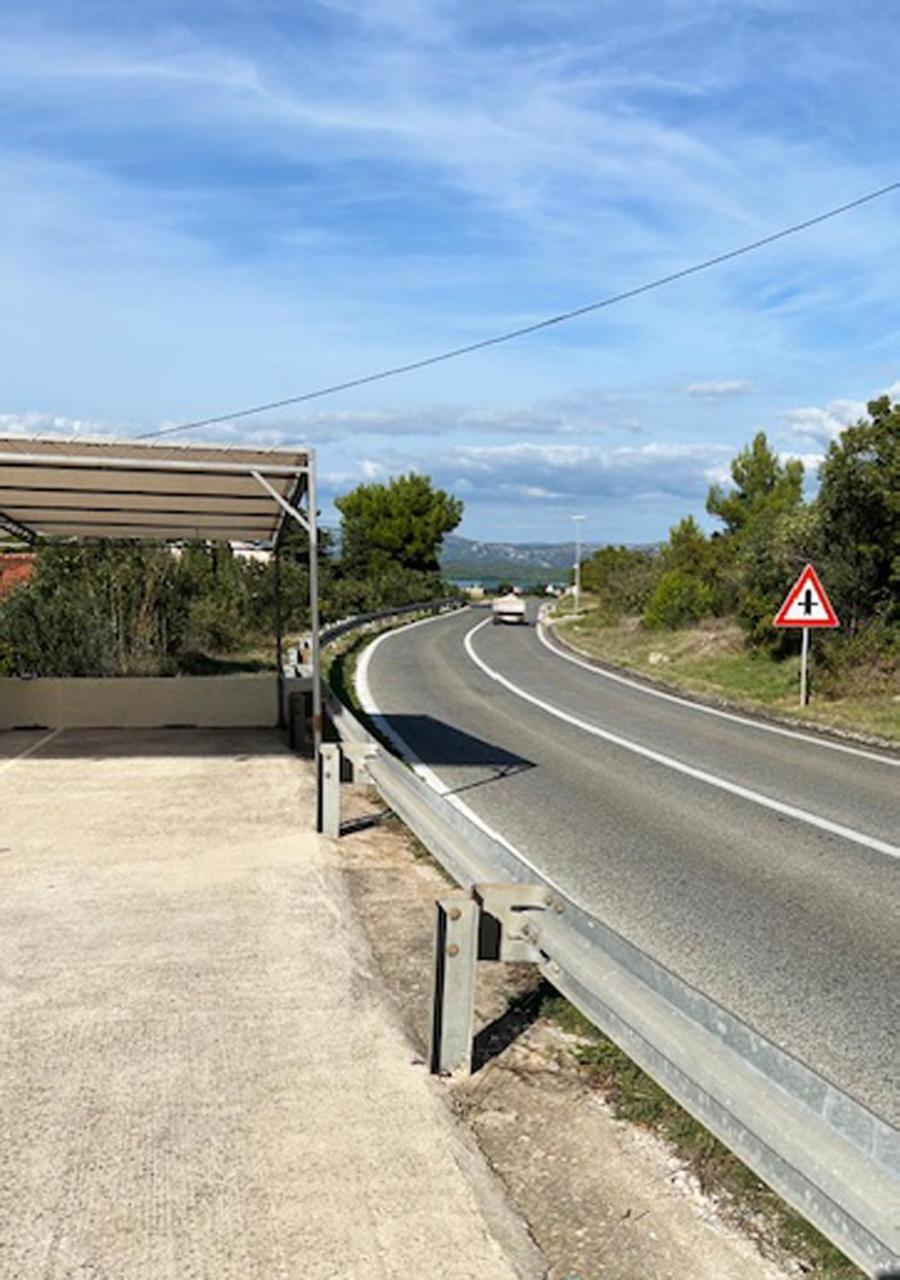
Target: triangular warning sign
{"points": [[807, 605]]}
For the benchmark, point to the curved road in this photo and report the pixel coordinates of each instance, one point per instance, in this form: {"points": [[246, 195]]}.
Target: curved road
{"points": [[762, 867]]}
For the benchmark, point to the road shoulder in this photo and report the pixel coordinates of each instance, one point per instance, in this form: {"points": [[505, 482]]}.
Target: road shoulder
{"points": [[564, 646]]}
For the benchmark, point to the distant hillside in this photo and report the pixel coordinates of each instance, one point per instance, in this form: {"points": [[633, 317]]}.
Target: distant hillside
{"points": [[468, 560], [465, 558]]}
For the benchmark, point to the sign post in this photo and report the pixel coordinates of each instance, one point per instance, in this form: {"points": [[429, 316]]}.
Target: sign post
{"points": [[806, 605], [577, 565], [804, 667]]}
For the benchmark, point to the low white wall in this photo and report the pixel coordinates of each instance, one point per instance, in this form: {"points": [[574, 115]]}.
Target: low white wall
{"points": [[216, 702]]}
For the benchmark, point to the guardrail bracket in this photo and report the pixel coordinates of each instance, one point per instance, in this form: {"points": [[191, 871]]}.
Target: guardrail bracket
{"points": [[508, 929], [494, 922], [358, 754]]}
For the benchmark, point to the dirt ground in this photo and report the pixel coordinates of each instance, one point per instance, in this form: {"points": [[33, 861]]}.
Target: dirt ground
{"points": [[603, 1200]]}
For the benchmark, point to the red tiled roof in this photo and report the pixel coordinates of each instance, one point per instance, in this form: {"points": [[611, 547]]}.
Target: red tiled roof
{"points": [[14, 570]]}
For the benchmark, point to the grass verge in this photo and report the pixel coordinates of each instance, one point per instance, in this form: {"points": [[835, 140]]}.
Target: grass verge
{"points": [[340, 660], [711, 660], [745, 1200], [339, 663]]}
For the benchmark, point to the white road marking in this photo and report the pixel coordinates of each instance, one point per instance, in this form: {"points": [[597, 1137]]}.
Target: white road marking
{"points": [[734, 788], [371, 708], [714, 711], [418, 766], [29, 751]]}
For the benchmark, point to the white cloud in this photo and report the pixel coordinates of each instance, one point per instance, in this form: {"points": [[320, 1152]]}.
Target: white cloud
{"points": [[504, 125], [562, 472], [733, 387], [531, 491], [820, 425], [370, 469], [586, 414]]}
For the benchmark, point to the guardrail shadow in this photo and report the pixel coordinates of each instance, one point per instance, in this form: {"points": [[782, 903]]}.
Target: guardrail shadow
{"points": [[436, 743], [523, 1010]]}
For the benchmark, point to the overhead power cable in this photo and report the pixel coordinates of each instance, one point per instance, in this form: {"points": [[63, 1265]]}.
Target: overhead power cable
{"points": [[455, 352]]}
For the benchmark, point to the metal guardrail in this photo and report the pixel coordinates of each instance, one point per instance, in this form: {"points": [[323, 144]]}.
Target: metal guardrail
{"points": [[297, 657], [335, 630], [836, 1162]]}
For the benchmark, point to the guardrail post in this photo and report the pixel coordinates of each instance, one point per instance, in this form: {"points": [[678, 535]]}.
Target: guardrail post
{"points": [[453, 994], [329, 790], [300, 722]]}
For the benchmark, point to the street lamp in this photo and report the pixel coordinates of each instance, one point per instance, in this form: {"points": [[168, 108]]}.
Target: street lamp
{"points": [[576, 520]]}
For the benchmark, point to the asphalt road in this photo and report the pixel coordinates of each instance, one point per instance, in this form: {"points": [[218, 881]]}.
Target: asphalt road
{"points": [[756, 865]]}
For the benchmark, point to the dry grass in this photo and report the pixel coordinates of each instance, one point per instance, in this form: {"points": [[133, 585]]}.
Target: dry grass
{"points": [[711, 659], [740, 1195]]}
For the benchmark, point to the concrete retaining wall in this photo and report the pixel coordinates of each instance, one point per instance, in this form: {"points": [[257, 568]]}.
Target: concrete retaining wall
{"points": [[216, 702]]}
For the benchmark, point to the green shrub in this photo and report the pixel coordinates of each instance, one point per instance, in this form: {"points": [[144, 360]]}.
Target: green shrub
{"points": [[677, 601], [866, 661], [622, 579], [93, 609], [216, 625], [393, 586]]}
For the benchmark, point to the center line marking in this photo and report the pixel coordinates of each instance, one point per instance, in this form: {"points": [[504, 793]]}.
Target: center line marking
{"points": [[690, 771]]}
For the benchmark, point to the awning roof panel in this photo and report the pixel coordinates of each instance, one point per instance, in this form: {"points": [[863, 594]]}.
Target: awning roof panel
{"points": [[126, 489]]}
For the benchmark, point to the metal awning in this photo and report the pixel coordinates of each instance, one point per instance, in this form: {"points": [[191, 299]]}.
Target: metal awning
{"points": [[122, 489], [55, 488]]}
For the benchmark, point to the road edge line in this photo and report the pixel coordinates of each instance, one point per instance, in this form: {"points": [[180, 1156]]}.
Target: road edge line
{"points": [[691, 771], [543, 630], [418, 766]]}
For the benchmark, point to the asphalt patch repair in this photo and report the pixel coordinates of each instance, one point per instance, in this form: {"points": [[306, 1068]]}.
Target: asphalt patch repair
{"points": [[602, 1199]]}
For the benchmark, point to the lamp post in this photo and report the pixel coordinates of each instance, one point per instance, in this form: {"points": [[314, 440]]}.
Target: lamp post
{"points": [[576, 520]]}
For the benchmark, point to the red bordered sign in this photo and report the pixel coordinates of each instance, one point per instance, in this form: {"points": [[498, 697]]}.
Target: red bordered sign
{"points": [[806, 604]]}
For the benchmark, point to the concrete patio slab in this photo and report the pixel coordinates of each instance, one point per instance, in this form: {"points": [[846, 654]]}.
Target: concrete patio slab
{"points": [[199, 1074]]}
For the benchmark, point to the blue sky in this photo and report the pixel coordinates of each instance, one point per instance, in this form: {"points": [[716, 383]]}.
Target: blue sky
{"points": [[211, 204]]}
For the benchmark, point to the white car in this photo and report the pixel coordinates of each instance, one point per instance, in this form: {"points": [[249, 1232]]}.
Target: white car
{"points": [[509, 608]]}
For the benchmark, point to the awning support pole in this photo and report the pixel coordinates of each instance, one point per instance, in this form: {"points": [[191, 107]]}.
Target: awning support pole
{"points": [[310, 522], [313, 527], [16, 528], [282, 501], [279, 636]]}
